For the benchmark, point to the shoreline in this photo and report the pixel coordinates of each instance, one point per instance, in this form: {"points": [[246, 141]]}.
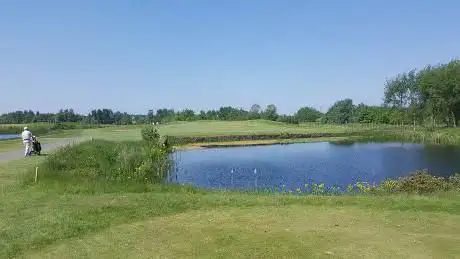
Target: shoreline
{"points": [[253, 143]]}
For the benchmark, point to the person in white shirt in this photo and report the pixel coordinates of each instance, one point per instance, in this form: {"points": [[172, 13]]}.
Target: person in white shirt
{"points": [[27, 140]]}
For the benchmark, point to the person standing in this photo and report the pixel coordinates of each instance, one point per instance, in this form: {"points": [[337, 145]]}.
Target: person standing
{"points": [[27, 140]]}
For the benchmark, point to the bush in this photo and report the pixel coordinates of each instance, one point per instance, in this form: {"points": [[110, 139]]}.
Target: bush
{"points": [[421, 182], [455, 181], [150, 134]]}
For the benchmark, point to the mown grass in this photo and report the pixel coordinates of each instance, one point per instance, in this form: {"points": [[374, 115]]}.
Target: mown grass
{"points": [[75, 217], [216, 128]]}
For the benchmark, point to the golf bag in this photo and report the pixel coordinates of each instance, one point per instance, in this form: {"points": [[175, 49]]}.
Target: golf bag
{"points": [[36, 146]]}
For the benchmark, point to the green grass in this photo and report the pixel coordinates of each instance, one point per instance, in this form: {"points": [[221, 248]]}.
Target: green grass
{"points": [[96, 220], [75, 218], [215, 128]]}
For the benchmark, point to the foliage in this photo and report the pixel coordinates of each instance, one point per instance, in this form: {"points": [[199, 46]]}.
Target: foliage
{"points": [[308, 114], [421, 182], [270, 113], [150, 134], [341, 112], [418, 182]]}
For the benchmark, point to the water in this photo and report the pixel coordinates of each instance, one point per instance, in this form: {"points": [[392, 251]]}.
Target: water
{"points": [[9, 136], [299, 164]]}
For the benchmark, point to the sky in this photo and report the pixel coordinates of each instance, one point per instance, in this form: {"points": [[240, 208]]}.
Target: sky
{"points": [[138, 55]]}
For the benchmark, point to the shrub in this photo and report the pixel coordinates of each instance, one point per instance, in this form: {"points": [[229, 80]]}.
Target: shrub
{"points": [[421, 182], [455, 181], [150, 134]]}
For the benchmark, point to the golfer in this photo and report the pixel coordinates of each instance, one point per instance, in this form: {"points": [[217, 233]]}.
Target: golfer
{"points": [[27, 140]]}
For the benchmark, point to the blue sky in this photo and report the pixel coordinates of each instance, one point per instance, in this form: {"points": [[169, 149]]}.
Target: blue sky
{"points": [[136, 55]]}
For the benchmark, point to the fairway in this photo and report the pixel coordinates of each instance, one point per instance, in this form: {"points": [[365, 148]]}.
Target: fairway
{"points": [[214, 128]]}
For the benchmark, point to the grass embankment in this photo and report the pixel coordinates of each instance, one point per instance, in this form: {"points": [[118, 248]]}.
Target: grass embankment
{"points": [[75, 211]]}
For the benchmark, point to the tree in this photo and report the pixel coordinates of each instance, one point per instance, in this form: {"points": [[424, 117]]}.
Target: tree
{"points": [[254, 112], [341, 112], [441, 87], [307, 114], [403, 93], [150, 116], [270, 113]]}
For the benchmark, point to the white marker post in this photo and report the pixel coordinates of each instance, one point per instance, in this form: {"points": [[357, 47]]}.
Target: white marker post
{"points": [[36, 173]]}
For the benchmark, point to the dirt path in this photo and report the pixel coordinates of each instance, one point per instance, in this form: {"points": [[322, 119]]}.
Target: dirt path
{"points": [[46, 148]]}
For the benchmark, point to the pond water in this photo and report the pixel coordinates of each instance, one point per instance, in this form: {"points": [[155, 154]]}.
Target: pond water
{"points": [[9, 136], [298, 164]]}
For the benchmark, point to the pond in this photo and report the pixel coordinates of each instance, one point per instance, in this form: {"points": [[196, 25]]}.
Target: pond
{"points": [[9, 136], [298, 164]]}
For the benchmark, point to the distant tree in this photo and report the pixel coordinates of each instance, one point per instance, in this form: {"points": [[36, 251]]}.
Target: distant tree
{"points": [[254, 112], [307, 114], [255, 108], [270, 113], [341, 111], [150, 116]]}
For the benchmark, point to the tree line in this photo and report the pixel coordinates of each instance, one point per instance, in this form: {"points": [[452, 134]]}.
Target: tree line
{"points": [[429, 96]]}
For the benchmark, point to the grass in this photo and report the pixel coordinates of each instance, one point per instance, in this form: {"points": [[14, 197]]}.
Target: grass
{"points": [[75, 218], [55, 221], [215, 128], [272, 231]]}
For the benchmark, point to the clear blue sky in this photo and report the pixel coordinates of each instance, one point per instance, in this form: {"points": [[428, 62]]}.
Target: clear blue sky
{"points": [[136, 55]]}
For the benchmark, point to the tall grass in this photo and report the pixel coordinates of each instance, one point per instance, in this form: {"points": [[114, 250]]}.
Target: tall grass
{"points": [[417, 136], [101, 160]]}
